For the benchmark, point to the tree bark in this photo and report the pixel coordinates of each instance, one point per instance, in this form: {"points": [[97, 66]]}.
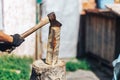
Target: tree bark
{"points": [[43, 71]]}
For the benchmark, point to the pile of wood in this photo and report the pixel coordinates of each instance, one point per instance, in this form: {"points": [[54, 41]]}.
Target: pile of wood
{"points": [[88, 4], [117, 1]]}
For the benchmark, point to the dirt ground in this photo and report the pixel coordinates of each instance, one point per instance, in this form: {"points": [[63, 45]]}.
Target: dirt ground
{"points": [[81, 75], [102, 71], [96, 73]]}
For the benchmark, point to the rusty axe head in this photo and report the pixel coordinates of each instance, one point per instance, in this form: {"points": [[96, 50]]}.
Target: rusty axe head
{"points": [[53, 21]]}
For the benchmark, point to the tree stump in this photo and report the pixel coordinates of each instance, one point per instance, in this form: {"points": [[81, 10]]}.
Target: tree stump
{"points": [[43, 71]]}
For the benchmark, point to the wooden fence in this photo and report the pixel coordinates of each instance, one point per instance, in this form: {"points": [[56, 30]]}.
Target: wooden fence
{"points": [[102, 35]]}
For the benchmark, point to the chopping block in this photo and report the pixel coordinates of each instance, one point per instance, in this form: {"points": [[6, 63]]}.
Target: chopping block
{"points": [[43, 71], [50, 68]]}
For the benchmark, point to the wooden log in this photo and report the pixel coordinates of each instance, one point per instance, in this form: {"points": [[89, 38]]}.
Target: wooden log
{"points": [[53, 45], [53, 41], [43, 71]]}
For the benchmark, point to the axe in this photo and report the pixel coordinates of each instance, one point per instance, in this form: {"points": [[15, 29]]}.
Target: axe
{"points": [[53, 41], [42, 22]]}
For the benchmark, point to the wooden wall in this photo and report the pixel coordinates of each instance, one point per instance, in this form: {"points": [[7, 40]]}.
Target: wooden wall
{"points": [[102, 35]]}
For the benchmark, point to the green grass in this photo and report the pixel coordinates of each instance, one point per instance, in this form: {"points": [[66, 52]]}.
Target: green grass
{"points": [[14, 67], [75, 64]]}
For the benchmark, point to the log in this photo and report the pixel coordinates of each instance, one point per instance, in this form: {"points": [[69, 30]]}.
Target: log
{"points": [[43, 71], [53, 41], [53, 45]]}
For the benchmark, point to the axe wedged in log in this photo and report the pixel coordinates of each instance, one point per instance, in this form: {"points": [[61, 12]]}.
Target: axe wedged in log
{"points": [[53, 41], [42, 22]]}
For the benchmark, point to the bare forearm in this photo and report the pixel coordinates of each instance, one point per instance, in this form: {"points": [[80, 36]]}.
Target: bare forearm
{"points": [[5, 37]]}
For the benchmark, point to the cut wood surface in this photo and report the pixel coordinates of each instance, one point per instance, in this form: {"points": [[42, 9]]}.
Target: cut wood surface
{"points": [[43, 71]]}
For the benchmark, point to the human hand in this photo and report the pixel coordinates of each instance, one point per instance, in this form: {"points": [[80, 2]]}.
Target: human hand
{"points": [[17, 40], [8, 46]]}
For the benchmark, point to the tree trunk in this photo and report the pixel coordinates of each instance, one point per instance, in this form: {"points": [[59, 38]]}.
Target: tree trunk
{"points": [[43, 71]]}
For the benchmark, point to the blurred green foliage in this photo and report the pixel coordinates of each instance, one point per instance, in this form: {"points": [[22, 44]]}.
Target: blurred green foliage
{"points": [[74, 65], [14, 68]]}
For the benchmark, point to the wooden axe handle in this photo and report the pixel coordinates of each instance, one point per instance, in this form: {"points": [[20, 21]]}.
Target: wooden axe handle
{"points": [[42, 22]]}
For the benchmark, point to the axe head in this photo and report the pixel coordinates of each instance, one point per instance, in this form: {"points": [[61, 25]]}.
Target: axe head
{"points": [[53, 21]]}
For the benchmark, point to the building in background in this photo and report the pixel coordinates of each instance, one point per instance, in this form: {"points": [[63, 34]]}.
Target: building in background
{"points": [[1, 15], [67, 12], [18, 16]]}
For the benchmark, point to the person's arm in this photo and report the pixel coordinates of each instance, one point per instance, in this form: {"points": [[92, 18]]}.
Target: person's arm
{"points": [[10, 41], [5, 37]]}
